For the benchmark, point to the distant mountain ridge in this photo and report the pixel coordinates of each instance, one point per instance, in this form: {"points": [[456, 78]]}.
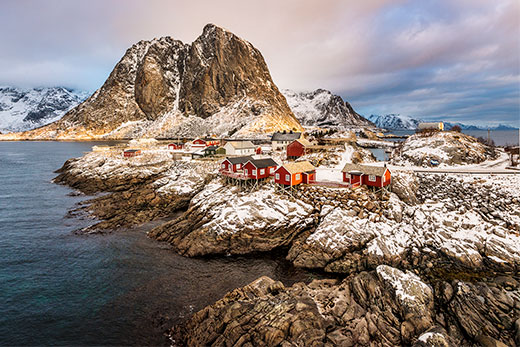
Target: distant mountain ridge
{"points": [[323, 109], [401, 122], [23, 109], [219, 84]]}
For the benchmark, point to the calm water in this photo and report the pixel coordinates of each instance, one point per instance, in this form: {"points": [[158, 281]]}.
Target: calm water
{"points": [[57, 288]]}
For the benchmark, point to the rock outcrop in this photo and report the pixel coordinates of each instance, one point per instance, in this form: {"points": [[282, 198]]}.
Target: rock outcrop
{"points": [[448, 148], [140, 189], [223, 220], [323, 109], [220, 84], [385, 307]]}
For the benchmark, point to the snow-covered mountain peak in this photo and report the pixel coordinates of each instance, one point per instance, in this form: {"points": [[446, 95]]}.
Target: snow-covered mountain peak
{"points": [[23, 109], [322, 108]]}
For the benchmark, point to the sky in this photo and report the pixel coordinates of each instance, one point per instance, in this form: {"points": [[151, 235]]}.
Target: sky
{"points": [[457, 61]]}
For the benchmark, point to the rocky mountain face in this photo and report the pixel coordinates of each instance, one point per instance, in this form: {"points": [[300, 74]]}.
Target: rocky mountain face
{"points": [[220, 84], [394, 121], [25, 109], [323, 109]]}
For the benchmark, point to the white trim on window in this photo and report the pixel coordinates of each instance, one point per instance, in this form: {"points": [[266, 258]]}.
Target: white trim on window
{"points": [[297, 176], [371, 178], [254, 172], [245, 172], [262, 171], [223, 165], [277, 176], [287, 177]]}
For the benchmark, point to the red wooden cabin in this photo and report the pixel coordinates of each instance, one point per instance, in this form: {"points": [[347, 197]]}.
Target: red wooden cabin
{"points": [[374, 176], [205, 142], [297, 148], [131, 153], [234, 164], [292, 174], [260, 168], [174, 146]]}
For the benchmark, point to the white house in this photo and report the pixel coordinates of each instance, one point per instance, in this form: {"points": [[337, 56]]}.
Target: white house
{"points": [[280, 140], [240, 148]]}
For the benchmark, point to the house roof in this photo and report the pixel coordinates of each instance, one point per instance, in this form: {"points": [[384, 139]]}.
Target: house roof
{"points": [[263, 163], [239, 160], [304, 142], [241, 144], [300, 166], [365, 169], [278, 136]]}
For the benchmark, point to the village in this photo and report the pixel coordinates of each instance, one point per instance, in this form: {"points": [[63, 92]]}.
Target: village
{"points": [[289, 161]]}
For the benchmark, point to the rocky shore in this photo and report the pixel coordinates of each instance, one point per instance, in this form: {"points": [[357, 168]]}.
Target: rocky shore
{"points": [[434, 262]]}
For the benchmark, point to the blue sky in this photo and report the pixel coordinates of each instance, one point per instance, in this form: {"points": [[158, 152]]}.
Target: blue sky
{"points": [[432, 59]]}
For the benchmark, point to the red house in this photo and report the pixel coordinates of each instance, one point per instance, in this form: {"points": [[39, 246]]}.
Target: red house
{"points": [[205, 142], [234, 164], [292, 174], [374, 176], [131, 153], [174, 146], [260, 168], [297, 148]]}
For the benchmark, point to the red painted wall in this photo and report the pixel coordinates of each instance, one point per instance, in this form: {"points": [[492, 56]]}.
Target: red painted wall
{"points": [[309, 177], [283, 180], [295, 149], [250, 167]]}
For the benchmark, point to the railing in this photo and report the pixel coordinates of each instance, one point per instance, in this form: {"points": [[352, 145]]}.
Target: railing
{"points": [[236, 175]]}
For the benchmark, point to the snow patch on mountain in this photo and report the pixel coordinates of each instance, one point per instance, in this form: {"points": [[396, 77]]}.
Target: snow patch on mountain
{"points": [[25, 109], [323, 109], [394, 121]]}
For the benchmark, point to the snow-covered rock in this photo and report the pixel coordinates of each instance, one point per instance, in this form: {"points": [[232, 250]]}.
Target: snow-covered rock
{"points": [[224, 220], [25, 109], [323, 109], [447, 147]]}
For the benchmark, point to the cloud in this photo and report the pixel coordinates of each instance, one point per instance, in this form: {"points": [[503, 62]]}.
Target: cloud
{"points": [[428, 58]]}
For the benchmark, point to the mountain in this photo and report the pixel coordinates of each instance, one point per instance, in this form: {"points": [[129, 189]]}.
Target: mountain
{"points": [[323, 109], [394, 121], [448, 126], [219, 84], [24, 109]]}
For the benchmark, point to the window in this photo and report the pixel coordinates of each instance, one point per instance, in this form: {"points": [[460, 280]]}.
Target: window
{"points": [[254, 172], [348, 177], [223, 165], [287, 177], [271, 170], [262, 171], [297, 177], [277, 176], [245, 171], [372, 178]]}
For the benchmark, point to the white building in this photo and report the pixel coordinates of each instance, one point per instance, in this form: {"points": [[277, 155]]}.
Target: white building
{"points": [[240, 148], [280, 140]]}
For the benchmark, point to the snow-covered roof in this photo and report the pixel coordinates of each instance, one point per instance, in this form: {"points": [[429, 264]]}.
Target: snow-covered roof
{"points": [[304, 142], [365, 169], [278, 136], [241, 144], [300, 166]]}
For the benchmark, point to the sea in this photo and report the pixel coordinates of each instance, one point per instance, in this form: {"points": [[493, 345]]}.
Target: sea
{"points": [[120, 288]]}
